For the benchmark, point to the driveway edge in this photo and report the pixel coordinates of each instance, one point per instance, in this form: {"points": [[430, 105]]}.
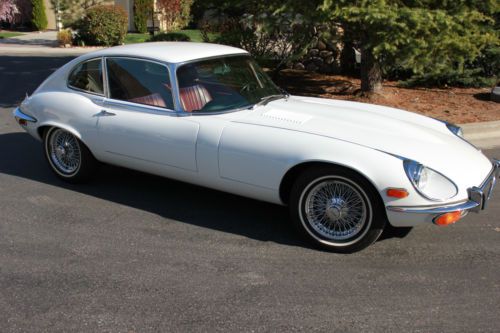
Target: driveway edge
{"points": [[484, 134]]}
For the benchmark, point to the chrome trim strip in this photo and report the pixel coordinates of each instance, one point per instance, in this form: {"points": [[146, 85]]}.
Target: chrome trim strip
{"points": [[18, 114], [130, 106], [435, 210]]}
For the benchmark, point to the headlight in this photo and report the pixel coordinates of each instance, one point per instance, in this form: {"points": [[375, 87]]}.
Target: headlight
{"points": [[429, 183], [455, 130]]}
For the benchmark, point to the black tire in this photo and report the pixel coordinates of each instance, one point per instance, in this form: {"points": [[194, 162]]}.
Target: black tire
{"points": [[367, 215], [83, 170]]}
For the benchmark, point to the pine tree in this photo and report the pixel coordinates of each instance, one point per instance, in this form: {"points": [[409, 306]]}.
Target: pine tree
{"points": [[39, 17], [420, 35]]}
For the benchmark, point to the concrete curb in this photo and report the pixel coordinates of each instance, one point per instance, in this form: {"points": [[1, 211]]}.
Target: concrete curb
{"points": [[483, 135]]}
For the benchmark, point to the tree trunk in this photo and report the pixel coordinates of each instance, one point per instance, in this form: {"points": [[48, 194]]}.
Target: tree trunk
{"points": [[371, 73]]}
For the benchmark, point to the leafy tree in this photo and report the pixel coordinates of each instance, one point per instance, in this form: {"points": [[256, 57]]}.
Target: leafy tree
{"points": [[72, 10], [143, 10], [8, 11], [39, 19]]}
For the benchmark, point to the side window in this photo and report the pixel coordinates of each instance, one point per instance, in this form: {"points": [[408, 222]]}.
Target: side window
{"points": [[88, 76], [139, 81]]}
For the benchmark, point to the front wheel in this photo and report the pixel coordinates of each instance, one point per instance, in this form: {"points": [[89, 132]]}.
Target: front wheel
{"points": [[68, 157], [336, 209]]}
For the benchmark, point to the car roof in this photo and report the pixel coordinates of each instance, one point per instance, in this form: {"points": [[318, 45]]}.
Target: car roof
{"points": [[171, 52]]}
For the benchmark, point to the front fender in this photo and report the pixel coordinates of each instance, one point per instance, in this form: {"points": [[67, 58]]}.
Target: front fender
{"points": [[262, 156]]}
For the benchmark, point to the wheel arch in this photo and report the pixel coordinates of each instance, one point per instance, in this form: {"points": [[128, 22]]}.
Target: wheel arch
{"points": [[44, 127], [294, 172]]}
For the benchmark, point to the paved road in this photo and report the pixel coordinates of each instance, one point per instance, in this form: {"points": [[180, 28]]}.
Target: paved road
{"points": [[136, 253]]}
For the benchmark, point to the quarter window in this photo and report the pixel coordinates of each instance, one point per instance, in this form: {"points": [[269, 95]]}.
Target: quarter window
{"points": [[87, 76], [139, 81]]}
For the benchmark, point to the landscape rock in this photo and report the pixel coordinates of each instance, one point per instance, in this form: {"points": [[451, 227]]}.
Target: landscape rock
{"points": [[313, 52], [329, 60], [325, 54], [321, 45], [311, 67], [299, 66]]}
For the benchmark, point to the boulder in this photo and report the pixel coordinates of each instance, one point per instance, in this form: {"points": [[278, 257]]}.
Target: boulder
{"points": [[313, 52], [325, 54], [299, 66], [311, 67]]}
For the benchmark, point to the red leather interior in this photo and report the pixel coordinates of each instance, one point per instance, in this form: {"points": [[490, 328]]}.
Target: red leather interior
{"points": [[154, 100], [194, 97]]}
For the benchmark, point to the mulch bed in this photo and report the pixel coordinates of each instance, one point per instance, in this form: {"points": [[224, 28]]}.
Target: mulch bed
{"points": [[456, 105]]}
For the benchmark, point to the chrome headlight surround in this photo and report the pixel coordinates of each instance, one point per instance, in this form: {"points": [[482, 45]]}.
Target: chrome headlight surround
{"points": [[429, 183]]}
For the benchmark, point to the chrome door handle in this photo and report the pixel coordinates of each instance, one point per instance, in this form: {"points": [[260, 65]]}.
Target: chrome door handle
{"points": [[106, 113]]}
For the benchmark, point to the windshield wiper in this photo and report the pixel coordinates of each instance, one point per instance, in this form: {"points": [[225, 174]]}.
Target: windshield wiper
{"points": [[266, 99]]}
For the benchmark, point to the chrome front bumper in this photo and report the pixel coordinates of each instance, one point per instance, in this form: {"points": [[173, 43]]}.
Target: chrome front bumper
{"points": [[478, 200]]}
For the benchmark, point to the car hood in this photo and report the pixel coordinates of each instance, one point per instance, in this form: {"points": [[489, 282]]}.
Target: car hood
{"points": [[390, 130]]}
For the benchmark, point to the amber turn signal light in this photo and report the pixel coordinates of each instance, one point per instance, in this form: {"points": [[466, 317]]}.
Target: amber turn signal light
{"points": [[399, 193], [448, 218]]}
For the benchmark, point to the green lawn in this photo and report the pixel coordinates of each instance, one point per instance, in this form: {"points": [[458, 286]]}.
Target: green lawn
{"points": [[194, 34], [7, 34], [133, 38]]}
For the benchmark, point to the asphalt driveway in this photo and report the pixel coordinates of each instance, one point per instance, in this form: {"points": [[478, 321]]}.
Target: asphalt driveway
{"points": [[130, 252]]}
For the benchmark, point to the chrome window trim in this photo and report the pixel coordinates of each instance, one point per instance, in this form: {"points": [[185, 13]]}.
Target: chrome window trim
{"points": [[114, 101], [230, 55], [131, 106], [83, 90]]}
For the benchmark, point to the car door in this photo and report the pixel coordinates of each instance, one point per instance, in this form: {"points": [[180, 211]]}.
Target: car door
{"points": [[137, 125]]}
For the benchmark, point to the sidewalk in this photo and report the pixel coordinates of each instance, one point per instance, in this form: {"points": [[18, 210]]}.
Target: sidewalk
{"points": [[44, 38], [39, 44]]}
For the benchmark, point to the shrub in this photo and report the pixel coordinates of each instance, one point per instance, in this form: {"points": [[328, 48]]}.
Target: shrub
{"points": [[170, 37], [39, 19], [271, 38], [64, 37], [175, 13], [103, 25], [142, 12]]}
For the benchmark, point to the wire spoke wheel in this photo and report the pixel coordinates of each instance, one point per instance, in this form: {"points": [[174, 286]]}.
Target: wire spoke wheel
{"points": [[336, 210], [64, 151]]}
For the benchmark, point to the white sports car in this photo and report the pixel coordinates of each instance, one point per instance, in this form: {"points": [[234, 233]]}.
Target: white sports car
{"points": [[208, 115]]}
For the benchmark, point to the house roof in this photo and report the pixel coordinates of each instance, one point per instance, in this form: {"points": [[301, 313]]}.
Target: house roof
{"points": [[172, 52]]}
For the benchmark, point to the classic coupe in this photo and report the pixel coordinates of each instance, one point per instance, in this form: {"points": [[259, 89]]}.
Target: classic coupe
{"points": [[208, 115]]}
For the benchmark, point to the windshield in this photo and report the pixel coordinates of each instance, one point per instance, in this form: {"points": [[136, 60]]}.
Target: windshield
{"points": [[222, 84]]}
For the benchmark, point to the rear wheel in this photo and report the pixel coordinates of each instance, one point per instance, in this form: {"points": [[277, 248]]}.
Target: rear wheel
{"points": [[336, 209], [68, 157]]}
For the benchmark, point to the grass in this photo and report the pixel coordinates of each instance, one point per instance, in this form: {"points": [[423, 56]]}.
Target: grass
{"points": [[194, 35], [133, 38], [8, 34]]}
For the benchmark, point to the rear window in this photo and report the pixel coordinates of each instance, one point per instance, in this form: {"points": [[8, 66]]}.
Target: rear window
{"points": [[88, 76]]}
